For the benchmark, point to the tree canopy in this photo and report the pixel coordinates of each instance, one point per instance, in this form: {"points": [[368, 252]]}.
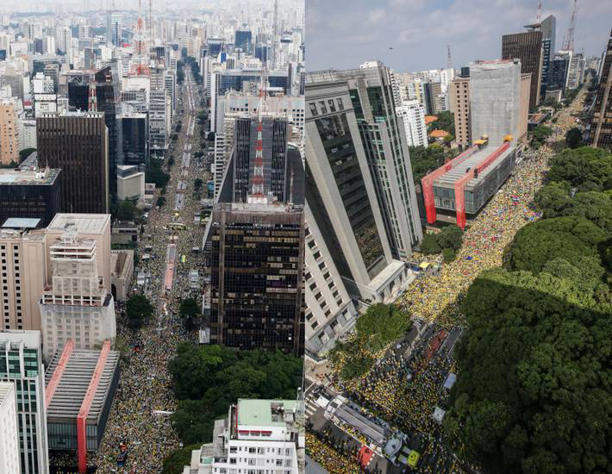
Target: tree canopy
{"points": [[585, 168], [190, 311], [207, 379], [423, 160], [138, 309], [533, 395], [447, 241], [573, 137]]}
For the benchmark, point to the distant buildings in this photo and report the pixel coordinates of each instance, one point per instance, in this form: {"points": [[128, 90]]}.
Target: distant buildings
{"points": [[527, 47], [77, 143], [9, 431], [21, 364], [412, 113], [601, 125], [9, 133], [262, 435]]}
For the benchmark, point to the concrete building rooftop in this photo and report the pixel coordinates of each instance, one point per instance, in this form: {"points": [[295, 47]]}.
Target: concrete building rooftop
{"points": [[264, 412], [17, 176], [85, 223], [74, 382], [31, 339], [449, 178]]}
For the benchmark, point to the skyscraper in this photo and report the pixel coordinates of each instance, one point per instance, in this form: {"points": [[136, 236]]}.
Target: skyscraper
{"points": [[77, 142], [384, 141], [21, 364], [9, 133], [527, 47], [340, 188], [548, 28], [601, 125], [412, 114], [257, 261]]}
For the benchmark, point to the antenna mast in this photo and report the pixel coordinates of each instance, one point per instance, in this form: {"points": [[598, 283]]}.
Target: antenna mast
{"points": [[568, 44], [449, 60], [539, 13], [257, 189]]}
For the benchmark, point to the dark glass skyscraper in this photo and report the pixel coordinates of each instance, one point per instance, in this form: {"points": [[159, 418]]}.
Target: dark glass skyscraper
{"points": [[527, 47], [77, 143]]}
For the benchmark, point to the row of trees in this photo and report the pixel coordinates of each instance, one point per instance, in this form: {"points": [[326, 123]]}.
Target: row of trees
{"points": [[533, 394], [423, 160], [380, 325]]}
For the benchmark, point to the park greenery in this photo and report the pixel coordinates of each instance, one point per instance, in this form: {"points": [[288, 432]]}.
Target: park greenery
{"points": [[424, 160], [380, 325], [138, 311], [125, 210], [539, 135], [178, 459], [534, 393], [446, 121], [207, 379], [573, 137], [155, 174], [448, 241]]}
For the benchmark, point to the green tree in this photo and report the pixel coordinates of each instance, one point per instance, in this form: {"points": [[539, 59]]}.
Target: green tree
{"points": [[197, 184], [155, 174], [539, 134], [191, 313], [450, 237], [532, 392], [585, 168], [178, 459], [573, 137], [429, 244], [138, 309], [380, 325], [446, 121], [569, 238], [125, 210], [553, 198], [449, 254], [423, 160], [161, 201]]}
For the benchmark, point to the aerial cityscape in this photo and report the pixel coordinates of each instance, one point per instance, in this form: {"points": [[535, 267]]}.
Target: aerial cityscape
{"points": [[300, 236]]}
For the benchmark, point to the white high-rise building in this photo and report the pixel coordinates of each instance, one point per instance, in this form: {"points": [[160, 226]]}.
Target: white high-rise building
{"points": [[9, 432], [257, 436], [412, 114], [21, 364]]}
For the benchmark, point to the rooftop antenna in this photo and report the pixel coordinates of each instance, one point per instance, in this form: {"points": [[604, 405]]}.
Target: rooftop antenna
{"points": [[539, 13], [568, 43], [257, 189], [92, 103]]}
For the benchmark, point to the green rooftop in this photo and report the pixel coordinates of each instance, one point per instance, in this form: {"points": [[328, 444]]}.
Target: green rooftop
{"points": [[263, 412]]}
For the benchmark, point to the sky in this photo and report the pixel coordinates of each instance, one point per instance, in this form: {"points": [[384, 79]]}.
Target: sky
{"points": [[341, 34]]}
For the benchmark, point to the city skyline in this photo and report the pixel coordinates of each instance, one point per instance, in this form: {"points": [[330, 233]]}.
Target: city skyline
{"points": [[407, 28]]}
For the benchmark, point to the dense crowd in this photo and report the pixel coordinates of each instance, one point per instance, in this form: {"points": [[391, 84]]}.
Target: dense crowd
{"points": [[140, 413], [405, 389]]}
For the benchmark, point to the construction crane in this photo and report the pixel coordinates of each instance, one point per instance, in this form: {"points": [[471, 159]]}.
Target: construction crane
{"points": [[568, 42]]}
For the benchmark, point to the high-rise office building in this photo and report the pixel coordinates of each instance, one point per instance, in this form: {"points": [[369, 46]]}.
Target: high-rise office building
{"points": [[384, 141], [107, 100], [77, 142], [274, 133], [527, 47], [133, 139], [575, 74], [113, 28], [256, 262], [459, 94], [158, 121], [21, 364], [32, 193], [340, 189], [9, 431], [548, 28], [9, 133], [412, 114], [243, 40], [558, 72], [601, 125]]}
